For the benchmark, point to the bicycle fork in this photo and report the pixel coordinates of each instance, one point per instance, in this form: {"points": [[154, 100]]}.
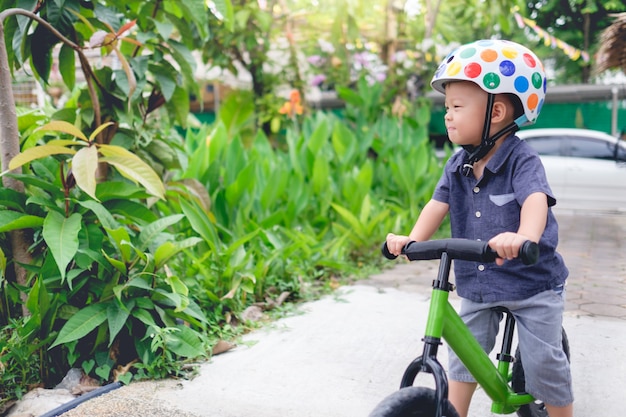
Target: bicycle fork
{"points": [[444, 322], [428, 362]]}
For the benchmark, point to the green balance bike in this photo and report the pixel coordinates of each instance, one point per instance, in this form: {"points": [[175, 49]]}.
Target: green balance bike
{"points": [[503, 385]]}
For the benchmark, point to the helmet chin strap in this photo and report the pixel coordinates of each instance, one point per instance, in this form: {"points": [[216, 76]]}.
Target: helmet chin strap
{"points": [[476, 153]]}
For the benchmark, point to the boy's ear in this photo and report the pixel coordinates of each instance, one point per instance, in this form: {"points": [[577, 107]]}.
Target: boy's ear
{"points": [[500, 111]]}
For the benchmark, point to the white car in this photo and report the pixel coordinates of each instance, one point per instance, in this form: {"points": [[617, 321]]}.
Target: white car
{"points": [[586, 169]]}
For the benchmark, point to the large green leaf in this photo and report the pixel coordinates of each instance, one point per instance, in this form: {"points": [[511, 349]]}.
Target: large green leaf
{"points": [[61, 236], [82, 323]]}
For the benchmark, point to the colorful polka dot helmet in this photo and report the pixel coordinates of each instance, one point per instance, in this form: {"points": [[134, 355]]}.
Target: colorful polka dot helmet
{"points": [[497, 66]]}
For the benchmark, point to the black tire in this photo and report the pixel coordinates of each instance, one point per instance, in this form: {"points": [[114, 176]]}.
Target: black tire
{"points": [[412, 402], [518, 382]]}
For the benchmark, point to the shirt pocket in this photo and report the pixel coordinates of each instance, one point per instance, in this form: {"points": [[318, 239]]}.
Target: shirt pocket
{"points": [[506, 211]]}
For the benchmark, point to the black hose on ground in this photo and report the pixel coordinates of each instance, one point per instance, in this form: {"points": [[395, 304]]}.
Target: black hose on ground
{"points": [[79, 400]]}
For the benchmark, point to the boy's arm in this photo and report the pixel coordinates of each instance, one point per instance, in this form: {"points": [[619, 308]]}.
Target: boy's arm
{"points": [[426, 225], [533, 218]]}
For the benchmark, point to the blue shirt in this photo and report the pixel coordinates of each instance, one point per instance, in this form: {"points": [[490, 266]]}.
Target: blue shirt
{"points": [[483, 208]]}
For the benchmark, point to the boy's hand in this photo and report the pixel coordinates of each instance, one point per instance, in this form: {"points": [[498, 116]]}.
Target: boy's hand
{"points": [[395, 243], [507, 245]]}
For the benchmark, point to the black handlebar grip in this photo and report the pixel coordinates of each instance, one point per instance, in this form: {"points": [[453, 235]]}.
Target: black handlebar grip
{"points": [[386, 253], [529, 253]]}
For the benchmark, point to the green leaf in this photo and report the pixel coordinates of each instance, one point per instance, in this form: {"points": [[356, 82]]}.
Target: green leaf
{"points": [[13, 220], [225, 8], [177, 285], [150, 232], [201, 223], [140, 283], [179, 105], [351, 219], [169, 249], [104, 216], [122, 239], [103, 371], [61, 236], [185, 342], [166, 80], [84, 167], [41, 52], [144, 316], [319, 137], [116, 317], [119, 265], [119, 191], [67, 66], [344, 143], [82, 323], [321, 176], [350, 96], [38, 300]]}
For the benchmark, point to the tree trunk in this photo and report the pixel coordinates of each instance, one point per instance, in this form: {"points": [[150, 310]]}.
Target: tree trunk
{"points": [[9, 148]]}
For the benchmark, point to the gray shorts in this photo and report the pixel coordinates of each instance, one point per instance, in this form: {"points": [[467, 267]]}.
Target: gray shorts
{"points": [[538, 323]]}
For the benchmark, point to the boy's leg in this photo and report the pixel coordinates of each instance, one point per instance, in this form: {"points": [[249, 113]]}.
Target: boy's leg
{"points": [[567, 411], [460, 395], [546, 367], [483, 322]]}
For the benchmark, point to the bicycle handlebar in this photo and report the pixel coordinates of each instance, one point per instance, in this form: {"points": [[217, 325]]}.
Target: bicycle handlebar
{"points": [[463, 249]]}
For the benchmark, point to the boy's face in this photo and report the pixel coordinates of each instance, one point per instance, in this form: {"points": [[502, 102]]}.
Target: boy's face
{"points": [[466, 104]]}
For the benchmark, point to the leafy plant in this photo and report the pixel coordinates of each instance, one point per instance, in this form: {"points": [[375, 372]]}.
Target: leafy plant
{"points": [[85, 160], [19, 363]]}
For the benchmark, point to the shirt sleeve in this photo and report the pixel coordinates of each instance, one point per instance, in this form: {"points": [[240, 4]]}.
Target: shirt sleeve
{"points": [[442, 189], [529, 176]]}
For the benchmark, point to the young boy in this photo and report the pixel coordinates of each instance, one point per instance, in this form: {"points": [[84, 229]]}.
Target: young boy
{"points": [[496, 190]]}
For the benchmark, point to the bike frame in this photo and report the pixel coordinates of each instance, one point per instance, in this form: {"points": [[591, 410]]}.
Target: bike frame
{"points": [[445, 323]]}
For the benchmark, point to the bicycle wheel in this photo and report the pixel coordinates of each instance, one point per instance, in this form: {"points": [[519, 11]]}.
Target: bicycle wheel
{"points": [[412, 402], [518, 382]]}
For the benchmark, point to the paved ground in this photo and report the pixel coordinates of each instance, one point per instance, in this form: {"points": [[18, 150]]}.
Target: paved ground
{"points": [[347, 351]]}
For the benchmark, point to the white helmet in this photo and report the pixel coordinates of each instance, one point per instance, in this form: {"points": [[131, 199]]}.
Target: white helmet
{"points": [[497, 66]]}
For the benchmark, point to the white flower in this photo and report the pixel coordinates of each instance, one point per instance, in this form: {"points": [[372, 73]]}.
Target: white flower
{"points": [[326, 46]]}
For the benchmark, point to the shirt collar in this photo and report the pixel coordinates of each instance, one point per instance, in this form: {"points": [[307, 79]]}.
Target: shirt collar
{"points": [[497, 160], [509, 143]]}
